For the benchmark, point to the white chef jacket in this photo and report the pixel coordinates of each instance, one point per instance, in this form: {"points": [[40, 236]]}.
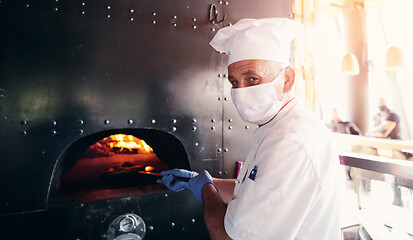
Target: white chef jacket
{"points": [[295, 193]]}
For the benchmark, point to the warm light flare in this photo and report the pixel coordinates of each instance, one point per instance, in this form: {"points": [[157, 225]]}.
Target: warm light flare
{"points": [[127, 142], [149, 168]]}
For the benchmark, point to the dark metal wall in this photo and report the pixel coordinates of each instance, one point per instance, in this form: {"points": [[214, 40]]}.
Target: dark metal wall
{"points": [[70, 69]]}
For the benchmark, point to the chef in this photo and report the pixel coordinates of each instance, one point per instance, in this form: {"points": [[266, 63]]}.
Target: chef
{"points": [[287, 187]]}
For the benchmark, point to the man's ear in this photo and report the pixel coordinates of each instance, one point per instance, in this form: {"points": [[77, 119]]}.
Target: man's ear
{"points": [[289, 79]]}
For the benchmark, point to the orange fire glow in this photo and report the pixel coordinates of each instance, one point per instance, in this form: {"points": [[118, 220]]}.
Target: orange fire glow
{"points": [[149, 168], [127, 143]]}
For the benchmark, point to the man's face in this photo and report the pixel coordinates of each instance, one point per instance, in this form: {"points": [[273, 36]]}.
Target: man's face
{"points": [[382, 102], [252, 72]]}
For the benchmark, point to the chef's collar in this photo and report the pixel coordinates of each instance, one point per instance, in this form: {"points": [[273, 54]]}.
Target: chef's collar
{"points": [[283, 112]]}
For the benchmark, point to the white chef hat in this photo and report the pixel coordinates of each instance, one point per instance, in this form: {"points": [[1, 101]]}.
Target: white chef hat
{"points": [[266, 38]]}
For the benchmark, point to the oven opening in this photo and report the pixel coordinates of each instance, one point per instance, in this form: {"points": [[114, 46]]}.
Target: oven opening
{"points": [[115, 164]]}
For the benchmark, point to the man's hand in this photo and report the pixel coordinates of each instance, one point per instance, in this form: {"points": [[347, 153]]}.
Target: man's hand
{"points": [[197, 183], [172, 183]]}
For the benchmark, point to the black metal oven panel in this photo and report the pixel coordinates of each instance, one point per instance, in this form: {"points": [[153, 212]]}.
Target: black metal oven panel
{"points": [[174, 217], [73, 68]]}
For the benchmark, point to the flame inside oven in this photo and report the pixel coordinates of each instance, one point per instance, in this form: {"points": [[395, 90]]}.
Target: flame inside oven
{"points": [[117, 164], [121, 143]]}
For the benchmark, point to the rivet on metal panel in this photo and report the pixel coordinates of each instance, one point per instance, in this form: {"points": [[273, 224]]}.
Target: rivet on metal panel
{"points": [[219, 150], [131, 19], [153, 121], [213, 120], [54, 123], [225, 75], [194, 19], [196, 144], [56, 9], [166, 195], [43, 152], [229, 24], [225, 172], [172, 224], [80, 131], [83, 12], [108, 7], [131, 10], [225, 98], [213, 128], [82, 205], [174, 121], [27, 5], [213, 29], [219, 75], [175, 17], [174, 24], [130, 121], [225, 149], [219, 98], [53, 132], [107, 15], [221, 2], [226, 3], [247, 127], [173, 129], [83, 3], [150, 228], [106, 122], [193, 128], [24, 133], [153, 22], [193, 220], [23, 122], [219, 173], [230, 127], [153, 13], [230, 120], [194, 120], [80, 122], [194, 27]]}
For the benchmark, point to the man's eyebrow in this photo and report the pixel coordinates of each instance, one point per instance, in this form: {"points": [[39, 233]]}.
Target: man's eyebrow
{"points": [[249, 72]]}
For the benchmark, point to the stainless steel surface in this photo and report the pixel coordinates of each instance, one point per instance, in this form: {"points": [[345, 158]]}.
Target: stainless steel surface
{"points": [[398, 168]]}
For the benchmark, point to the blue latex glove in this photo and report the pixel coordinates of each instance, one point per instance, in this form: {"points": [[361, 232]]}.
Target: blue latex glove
{"points": [[197, 183], [172, 183]]}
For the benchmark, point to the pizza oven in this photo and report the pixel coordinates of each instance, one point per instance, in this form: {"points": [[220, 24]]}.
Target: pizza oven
{"points": [[115, 163]]}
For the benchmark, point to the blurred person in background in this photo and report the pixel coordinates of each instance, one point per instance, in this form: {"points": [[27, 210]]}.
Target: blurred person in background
{"points": [[386, 122], [338, 126]]}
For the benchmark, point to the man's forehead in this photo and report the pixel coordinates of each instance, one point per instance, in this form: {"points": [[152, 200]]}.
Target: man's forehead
{"points": [[251, 65]]}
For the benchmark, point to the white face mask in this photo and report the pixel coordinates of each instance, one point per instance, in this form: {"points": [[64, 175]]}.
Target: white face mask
{"points": [[258, 104]]}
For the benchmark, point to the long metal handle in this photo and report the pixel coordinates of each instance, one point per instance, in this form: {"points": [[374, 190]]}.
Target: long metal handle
{"points": [[183, 179]]}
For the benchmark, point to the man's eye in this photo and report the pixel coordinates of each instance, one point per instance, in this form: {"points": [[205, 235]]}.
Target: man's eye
{"points": [[252, 79], [234, 83]]}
